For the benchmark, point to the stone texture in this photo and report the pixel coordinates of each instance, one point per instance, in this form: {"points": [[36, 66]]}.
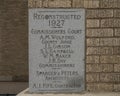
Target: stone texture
{"points": [[99, 32], [99, 13]]}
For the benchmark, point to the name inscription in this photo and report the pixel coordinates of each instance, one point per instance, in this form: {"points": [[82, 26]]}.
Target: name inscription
{"points": [[56, 50]]}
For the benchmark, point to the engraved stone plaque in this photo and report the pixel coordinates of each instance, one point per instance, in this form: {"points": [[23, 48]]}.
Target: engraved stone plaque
{"points": [[56, 50]]}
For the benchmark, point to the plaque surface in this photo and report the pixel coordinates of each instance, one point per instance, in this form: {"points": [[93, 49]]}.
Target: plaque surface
{"points": [[56, 50]]}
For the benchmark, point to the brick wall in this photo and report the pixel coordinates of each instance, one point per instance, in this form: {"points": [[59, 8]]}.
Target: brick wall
{"points": [[102, 40], [13, 40]]}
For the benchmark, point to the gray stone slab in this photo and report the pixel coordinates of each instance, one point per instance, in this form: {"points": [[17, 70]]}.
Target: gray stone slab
{"points": [[56, 50]]}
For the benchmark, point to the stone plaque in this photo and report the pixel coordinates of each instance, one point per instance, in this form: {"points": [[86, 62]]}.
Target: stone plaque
{"points": [[56, 50]]}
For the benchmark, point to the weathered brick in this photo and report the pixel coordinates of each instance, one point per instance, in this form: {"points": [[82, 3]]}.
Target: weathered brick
{"points": [[107, 23], [99, 68], [92, 59], [109, 41], [77, 3], [117, 87], [92, 50], [93, 87], [109, 3], [116, 67], [99, 13], [92, 77], [110, 59], [5, 68], [92, 23], [117, 32], [99, 50], [5, 78], [110, 23], [92, 41], [59, 3], [91, 3], [6, 73], [45, 3], [14, 38], [20, 78], [106, 50], [116, 22], [34, 3], [110, 77], [117, 13], [99, 32], [116, 51]]}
